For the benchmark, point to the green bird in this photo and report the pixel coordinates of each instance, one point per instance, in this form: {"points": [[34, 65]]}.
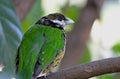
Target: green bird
{"points": [[42, 47]]}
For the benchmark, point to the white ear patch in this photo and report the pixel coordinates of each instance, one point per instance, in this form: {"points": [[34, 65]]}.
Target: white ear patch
{"points": [[61, 23]]}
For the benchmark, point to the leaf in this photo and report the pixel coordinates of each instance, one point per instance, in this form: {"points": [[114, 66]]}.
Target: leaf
{"points": [[106, 76], [116, 48], [72, 12], [33, 16], [10, 35]]}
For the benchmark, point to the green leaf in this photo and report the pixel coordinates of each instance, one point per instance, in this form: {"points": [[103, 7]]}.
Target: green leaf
{"points": [[106, 76], [116, 48], [73, 12], [33, 16], [10, 35]]}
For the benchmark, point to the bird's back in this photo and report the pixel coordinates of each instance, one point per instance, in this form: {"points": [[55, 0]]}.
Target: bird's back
{"points": [[53, 45], [39, 48]]}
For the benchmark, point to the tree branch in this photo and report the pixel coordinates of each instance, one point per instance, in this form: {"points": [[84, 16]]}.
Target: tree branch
{"points": [[91, 69]]}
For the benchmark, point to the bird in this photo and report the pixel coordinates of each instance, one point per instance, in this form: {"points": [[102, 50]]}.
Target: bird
{"points": [[42, 47]]}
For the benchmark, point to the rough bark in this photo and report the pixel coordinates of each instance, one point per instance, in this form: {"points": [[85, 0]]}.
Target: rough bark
{"points": [[88, 70]]}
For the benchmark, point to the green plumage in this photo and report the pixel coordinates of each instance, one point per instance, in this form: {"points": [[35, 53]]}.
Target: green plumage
{"points": [[39, 47], [42, 47]]}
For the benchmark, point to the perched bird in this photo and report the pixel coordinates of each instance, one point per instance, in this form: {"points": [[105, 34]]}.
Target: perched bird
{"points": [[42, 47]]}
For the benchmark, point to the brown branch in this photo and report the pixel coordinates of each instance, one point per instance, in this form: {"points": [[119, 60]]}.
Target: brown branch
{"points": [[88, 70]]}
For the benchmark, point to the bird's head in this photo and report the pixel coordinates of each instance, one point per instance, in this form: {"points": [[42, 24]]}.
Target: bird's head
{"points": [[57, 20]]}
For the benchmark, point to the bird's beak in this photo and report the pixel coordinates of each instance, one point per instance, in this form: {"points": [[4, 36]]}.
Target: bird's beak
{"points": [[69, 21]]}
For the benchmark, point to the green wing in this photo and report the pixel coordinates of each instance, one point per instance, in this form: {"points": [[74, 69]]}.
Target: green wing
{"points": [[28, 51], [54, 42], [38, 49]]}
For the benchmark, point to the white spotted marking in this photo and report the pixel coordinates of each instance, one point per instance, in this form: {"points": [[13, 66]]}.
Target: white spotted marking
{"points": [[61, 23]]}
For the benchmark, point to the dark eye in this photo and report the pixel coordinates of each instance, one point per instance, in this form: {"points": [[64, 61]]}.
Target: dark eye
{"points": [[60, 18]]}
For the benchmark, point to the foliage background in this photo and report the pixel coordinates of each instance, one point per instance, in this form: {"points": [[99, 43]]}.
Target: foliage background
{"points": [[95, 43]]}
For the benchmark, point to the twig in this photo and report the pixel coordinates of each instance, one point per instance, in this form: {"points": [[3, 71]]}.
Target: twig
{"points": [[88, 70]]}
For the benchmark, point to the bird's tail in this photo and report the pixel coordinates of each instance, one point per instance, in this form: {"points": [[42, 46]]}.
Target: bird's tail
{"points": [[41, 74]]}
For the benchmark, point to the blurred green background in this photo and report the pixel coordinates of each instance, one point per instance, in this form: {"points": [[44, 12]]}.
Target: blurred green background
{"points": [[95, 34]]}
